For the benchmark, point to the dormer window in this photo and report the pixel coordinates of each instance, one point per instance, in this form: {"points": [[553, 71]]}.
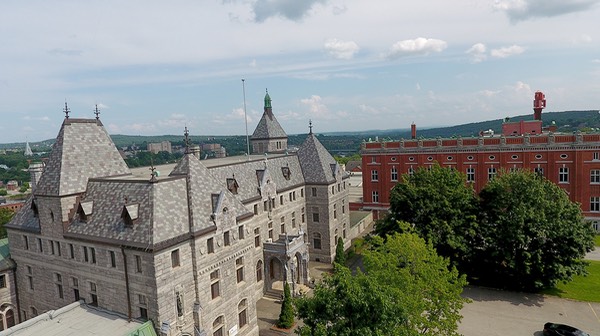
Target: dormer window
{"points": [[84, 211], [34, 208], [232, 185], [130, 214], [286, 172]]}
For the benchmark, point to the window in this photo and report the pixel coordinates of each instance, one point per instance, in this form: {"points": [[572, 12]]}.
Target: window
{"points": [[563, 175], [93, 295], [294, 220], [595, 204], [143, 305], [256, 209], [302, 192], [265, 206], [40, 246], [257, 237], [242, 318], [3, 281], [76, 289], [226, 241], [491, 173], [86, 257], [563, 156], [411, 170], [302, 215], [394, 174], [374, 175], [51, 246], [71, 251], [210, 245], [282, 222], [315, 214], [259, 271], [335, 211], [375, 197], [333, 190], [239, 269], [58, 249], [59, 290], [138, 264], [317, 240], [179, 303], [26, 242], [281, 200], [595, 176], [113, 259], [241, 232], [343, 207], [291, 197], [596, 156], [470, 174], [539, 171], [314, 191], [30, 277], [270, 230], [93, 253], [218, 326], [344, 231], [175, 258], [214, 284]]}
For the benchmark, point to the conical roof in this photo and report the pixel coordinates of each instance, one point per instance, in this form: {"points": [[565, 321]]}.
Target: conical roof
{"points": [[268, 127], [83, 150], [318, 166]]}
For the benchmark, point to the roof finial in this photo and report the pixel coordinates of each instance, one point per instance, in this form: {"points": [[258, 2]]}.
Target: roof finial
{"points": [[66, 110], [310, 126], [186, 140], [97, 112], [153, 172]]}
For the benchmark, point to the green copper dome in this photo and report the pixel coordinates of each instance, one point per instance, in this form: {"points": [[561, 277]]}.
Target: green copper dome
{"points": [[267, 100]]}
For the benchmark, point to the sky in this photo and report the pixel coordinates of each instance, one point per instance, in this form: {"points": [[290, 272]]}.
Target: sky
{"points": [[155, 67]]}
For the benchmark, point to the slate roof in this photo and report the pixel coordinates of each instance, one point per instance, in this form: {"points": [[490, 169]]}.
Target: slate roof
{"points": [[24, 219], [161, 211], [318, 166], [5, 261], [246, 176], [268, 127], [202, 185], [83, 149]]}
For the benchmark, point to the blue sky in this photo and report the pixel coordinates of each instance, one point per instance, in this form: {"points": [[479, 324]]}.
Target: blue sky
{"points": [[155, 67]]}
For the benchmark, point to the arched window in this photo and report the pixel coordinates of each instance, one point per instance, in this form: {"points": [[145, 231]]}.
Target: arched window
{"points": [[317, 240], [259, 271], [10, 318], [218, 326], [242, 315]]}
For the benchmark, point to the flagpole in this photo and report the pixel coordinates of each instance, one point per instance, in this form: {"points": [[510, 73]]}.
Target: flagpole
{"points": [[246, 120]]}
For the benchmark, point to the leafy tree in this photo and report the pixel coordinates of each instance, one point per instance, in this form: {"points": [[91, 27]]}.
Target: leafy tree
{"points": [[441, 207], [340, 256], [533, 235], [5, 216], [407, 289], [286, 316], [3, 192]]}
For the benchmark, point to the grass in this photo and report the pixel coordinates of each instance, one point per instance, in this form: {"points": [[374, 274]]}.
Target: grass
{"points": [[598, 240], [582, 288]]}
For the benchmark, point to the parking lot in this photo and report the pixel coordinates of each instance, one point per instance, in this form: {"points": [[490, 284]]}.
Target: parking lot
{"points": [[495, 312]]}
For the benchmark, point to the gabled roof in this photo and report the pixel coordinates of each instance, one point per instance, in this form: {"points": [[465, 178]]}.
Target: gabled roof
{"points": [[202, 185], [268, 127], [83, 149], [318, 166]]}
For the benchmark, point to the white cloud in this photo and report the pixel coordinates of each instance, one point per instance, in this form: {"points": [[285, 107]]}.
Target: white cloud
{"points": [[237, 115], [418, 46], [507, 51], [521, 10], [316, 107], [44, 118], [368, 109], [294, 10], [341, 49], [489, 93], [477, 52], [418, 87], [597, 60]]}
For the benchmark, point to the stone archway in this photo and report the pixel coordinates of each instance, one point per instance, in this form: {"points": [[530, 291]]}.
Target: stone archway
{"points": [[276, 274]]}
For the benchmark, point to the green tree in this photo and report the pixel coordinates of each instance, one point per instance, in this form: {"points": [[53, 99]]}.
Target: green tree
{"points": [[3, 192], [441, 207], [5, 216], [407, 289], [340, 256], [286, 316], [533, 235]]}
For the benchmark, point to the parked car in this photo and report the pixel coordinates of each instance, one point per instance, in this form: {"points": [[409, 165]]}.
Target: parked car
{"points": [[556, 329]]}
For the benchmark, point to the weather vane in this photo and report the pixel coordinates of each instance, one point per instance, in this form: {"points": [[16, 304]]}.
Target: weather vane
{"points": [[310, 125], [186, 140], [66, 110], [97, 112]]}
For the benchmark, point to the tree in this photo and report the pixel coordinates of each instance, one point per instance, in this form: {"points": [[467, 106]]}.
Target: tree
{"points": [[286, 316], [533, 235], [441, 207], [407, 289], [3, 192], [5, 216], [340, 256]]}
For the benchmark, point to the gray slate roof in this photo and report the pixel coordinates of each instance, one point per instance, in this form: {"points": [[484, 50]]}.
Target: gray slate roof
{"points": [[24, 219], [318, 166], [268, 127], [83, 149], [202, 185], [162, 211]]}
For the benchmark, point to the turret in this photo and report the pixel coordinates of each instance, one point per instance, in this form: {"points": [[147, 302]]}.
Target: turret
{"points": [[539, 103]]}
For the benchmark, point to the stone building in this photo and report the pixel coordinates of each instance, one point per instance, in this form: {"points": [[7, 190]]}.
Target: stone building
{"points": [[163, 146], [192, 250], [8, 292]]}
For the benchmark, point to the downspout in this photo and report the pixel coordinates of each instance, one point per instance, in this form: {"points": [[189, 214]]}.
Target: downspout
{"points": [[17, 295], [126, 284]]}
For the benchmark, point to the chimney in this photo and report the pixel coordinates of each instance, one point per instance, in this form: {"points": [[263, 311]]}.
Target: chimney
{"points": [[413, 131], [195, 150], [35, 171], [539, 103]]}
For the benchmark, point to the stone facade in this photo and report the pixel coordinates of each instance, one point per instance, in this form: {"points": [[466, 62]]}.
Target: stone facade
{"points": [[192, 251]]}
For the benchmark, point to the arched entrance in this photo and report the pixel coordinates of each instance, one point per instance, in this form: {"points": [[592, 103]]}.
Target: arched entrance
{"points": [[276, 274]]}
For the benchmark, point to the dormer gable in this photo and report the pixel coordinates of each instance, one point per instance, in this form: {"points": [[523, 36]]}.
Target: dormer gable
{"points": [[34, 208], [287, 173], [84, 210], [130, 214], [232, 185]]}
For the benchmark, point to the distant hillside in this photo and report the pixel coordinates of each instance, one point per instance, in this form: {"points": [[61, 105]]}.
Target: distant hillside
{"points": [[349, 142]]}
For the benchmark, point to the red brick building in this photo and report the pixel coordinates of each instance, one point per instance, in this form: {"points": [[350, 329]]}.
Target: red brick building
{"points": [[572, 161]]}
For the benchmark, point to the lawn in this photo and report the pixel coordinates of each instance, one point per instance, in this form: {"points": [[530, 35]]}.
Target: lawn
{"points": [[598, 240], [582, 288]]}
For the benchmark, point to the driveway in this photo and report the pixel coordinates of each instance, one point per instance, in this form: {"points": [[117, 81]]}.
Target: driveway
{"points": [[495, 312]]}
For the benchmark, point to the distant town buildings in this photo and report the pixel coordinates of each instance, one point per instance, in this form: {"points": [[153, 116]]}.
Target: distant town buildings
{"points": [[572, 161], [163, 146]]}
